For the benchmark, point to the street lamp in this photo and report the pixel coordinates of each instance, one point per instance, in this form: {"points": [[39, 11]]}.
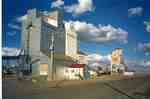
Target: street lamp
{"points": [[28, 58]]}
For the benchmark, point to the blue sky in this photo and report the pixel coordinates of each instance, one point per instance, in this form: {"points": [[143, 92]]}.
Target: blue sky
{"points": [[128, 15]]}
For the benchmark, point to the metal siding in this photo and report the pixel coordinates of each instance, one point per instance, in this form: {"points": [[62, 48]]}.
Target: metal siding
{"points": [[23, 35], [40, 40], [59, 42], [59, 39], [35, 37]]}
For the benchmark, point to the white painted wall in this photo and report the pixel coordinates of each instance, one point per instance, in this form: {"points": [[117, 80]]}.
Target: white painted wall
{"points": [[71, 41]]}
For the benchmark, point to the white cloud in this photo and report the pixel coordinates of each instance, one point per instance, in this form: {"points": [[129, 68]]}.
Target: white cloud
{"points": [[21, 18], [140, 66], [147, 54], [14, 26], [88, 32], [135, 11], [144, 46], [57, 4], [97, 57], [144, 63], [81, 7], [10, 51], [12, 33], [147, 26], [147, 63], [97, 60]]}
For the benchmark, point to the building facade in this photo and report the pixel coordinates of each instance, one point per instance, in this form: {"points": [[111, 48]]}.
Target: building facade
{"points": [[71, 41], [46, 41], [116, 60]]}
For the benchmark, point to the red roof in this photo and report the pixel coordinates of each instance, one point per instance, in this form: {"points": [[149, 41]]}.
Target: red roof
{"points": [[77, 65]]}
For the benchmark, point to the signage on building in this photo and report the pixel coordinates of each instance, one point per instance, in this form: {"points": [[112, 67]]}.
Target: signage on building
{"points": [[52, 21], [74, 73]]}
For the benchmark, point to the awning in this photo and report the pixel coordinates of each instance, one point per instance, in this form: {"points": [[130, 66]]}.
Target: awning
{"points": [[77, 65]]}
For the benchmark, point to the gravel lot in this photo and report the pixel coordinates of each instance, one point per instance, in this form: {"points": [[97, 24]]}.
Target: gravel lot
{"points": [[124, 88]]}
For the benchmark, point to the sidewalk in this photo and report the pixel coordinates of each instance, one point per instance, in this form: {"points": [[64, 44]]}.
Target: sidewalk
{"points": [[61, 87], [65, 83]]}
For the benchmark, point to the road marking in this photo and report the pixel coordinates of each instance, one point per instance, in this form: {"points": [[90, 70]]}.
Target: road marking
{"points": [[118, 90]]}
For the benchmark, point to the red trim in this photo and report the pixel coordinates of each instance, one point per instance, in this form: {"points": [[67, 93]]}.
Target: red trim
{"points": [[77, 65]]}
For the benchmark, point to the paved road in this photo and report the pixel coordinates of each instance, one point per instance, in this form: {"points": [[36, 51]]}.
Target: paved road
{"points": [[138, 88]]}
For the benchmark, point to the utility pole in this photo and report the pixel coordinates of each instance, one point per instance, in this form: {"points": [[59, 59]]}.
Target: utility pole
{"points": [[28, 59], [51, 66]]}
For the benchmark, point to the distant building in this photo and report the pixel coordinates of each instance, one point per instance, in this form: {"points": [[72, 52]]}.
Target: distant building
{"points": [[116, 60], [75, 72], [38, 30], [10, 57]]}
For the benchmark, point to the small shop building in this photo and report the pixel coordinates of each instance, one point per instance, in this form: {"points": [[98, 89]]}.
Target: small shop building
{"points": [[75, 72]]}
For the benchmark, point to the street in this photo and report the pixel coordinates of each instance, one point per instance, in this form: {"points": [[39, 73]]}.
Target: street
{"points": [[132, 88]]}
